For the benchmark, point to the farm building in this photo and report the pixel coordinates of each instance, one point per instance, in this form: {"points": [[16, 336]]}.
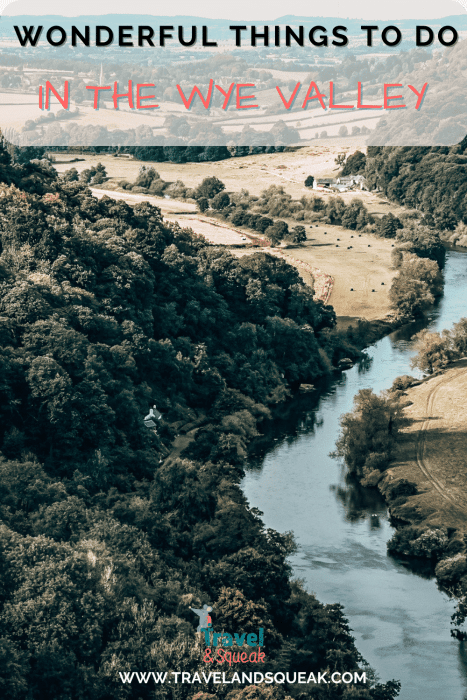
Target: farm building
{"points": [[341, 184], [324, 183]]}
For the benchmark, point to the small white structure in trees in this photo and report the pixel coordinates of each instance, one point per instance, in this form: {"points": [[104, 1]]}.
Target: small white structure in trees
{"points": [[151, 420]]}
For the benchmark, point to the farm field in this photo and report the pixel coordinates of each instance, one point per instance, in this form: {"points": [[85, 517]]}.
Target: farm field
{"points": [[18, 107], [358, 262], [432, 453], [365, 268]]}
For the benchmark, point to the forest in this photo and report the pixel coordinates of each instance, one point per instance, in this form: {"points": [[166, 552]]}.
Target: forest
{"points": [[433, 180], [108, 537]]}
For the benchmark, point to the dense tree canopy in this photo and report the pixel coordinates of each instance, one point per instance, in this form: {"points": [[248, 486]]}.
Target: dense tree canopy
{"points": [[106, 539], [433, 180]]}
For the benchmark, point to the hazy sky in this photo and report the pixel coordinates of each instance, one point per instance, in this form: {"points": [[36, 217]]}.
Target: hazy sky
{"points": [[244, 9]]}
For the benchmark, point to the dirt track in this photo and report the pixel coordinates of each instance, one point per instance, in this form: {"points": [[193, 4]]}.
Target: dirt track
{"points": [[434, 450], [167, 206]]}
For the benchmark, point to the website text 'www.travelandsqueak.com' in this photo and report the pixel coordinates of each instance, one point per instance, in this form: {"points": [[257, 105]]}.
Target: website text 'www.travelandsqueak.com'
{"points": [[245, 678]]}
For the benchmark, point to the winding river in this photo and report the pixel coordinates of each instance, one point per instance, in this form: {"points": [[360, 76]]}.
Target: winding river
{"points": [[400, 619]]}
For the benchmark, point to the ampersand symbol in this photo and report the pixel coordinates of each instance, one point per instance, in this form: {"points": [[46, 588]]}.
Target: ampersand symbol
{"points": [[207, 656]]}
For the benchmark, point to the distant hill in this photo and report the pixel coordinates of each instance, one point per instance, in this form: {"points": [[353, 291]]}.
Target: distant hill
{"points": [[442, 118]]}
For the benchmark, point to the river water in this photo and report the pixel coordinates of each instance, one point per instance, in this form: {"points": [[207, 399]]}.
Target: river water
{"points": [[400, 619]]}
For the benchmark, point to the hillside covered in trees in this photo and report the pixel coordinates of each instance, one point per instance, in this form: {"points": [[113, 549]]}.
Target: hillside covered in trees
{"points": [[433, 180], [105, 540]]}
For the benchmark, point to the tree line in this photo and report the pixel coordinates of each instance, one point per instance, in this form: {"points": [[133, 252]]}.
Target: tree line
{"points": [[432, 180]]}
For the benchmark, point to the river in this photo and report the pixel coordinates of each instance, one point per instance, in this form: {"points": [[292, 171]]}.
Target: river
{"points": [[400, 619]]}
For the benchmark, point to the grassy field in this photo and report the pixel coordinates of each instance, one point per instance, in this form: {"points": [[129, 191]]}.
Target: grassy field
{"points": [[364, 267], [432, 452]]}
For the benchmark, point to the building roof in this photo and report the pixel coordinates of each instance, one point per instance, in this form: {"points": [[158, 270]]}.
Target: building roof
{"points": [[150, 421]]}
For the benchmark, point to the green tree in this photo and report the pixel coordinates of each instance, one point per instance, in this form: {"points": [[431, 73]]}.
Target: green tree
{"points": [[209, 187], [396, 258], [389, 225], [335, 209], [459, 338], [410, 297], [71, 175], [354, 164], [13, 671], [238, 216], [146, 176], [277, 232], [263, 224], [369, 432], [416, 285], [434, 351], [233, 611], [27, 153], [220, 201], [422, 241], [297, 234], [349, 218], [425, 270], [203, 204]]}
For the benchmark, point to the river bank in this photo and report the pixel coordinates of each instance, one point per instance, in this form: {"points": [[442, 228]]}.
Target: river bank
{"points": [[431, 453], [456, 238], [425, 487], [399, 616], [366, 333], [363, 334]]}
